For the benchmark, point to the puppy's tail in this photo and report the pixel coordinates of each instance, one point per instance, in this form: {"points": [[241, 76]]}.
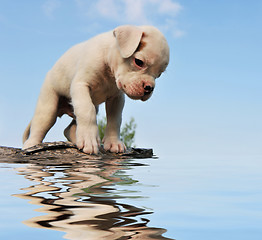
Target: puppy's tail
{"points": [[26, 132]]}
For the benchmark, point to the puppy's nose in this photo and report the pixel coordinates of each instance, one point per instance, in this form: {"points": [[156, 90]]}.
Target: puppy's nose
{"points": [[148, 89]]}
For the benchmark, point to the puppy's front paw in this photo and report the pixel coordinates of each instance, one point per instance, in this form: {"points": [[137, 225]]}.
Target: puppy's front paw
{"points": [[87, 139], [114, 145]]}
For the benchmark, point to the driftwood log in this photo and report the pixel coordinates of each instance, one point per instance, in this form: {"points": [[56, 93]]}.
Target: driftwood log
{"points": [[60, 153]]}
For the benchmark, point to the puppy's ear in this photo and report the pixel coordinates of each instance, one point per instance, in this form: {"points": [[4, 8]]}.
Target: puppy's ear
{"points": [[128, 38]]}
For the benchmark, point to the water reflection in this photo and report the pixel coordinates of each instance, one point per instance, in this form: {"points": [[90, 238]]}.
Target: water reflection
{"points": [[83, 201]]}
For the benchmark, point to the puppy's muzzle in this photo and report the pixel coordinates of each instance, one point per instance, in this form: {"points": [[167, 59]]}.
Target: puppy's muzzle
{"points": [[148, 89]]}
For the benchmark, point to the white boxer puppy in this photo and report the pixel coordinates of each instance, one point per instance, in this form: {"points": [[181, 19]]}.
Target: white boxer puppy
{"points": [[125, 60]]}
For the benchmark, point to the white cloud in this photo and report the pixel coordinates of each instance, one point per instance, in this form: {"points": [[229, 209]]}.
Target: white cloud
{"points": [[107, 8], [50, 6], [135, 11], [170, 26], [169, 7], [161, 13], [121, 11]]}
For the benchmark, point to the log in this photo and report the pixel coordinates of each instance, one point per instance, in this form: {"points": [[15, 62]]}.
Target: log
{"points": [[64, 153]]}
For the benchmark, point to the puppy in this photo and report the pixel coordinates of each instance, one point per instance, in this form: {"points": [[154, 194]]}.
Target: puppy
{"points": [[126, 60]]}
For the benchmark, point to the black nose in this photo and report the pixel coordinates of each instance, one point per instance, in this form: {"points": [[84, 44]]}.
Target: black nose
{"points": [[148, 89]]}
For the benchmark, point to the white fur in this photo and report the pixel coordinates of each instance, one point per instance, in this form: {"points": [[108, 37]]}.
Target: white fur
{"points": [[99, 70]]}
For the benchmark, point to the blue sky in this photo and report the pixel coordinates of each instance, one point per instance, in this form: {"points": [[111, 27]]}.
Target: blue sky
{"points": [[209, 100]]}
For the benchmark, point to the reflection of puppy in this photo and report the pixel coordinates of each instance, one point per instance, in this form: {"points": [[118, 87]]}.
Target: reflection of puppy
{"points": [[128, 60]]}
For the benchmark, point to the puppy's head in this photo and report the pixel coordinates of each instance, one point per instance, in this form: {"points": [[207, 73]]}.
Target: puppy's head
{"points": [[143, 54]]}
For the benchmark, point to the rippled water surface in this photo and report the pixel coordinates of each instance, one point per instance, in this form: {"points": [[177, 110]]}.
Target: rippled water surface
{"points": [[180, 198]]}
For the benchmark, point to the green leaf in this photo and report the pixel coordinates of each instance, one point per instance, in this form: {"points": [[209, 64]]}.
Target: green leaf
{"points": [[127, 133]]}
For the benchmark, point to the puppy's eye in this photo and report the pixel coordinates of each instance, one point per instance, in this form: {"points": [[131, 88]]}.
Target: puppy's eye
{"points": [[139, 63]]}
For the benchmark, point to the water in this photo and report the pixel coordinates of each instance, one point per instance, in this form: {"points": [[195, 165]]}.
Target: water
{"points": [[170, 197]]}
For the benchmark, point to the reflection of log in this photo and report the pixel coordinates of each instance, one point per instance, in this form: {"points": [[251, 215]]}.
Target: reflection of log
{"points": [[56, 153], [83, 201]]}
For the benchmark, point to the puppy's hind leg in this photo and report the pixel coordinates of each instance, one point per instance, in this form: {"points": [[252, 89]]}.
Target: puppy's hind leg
{"points": [[70, 132], [44, 117], [26, 132]]}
